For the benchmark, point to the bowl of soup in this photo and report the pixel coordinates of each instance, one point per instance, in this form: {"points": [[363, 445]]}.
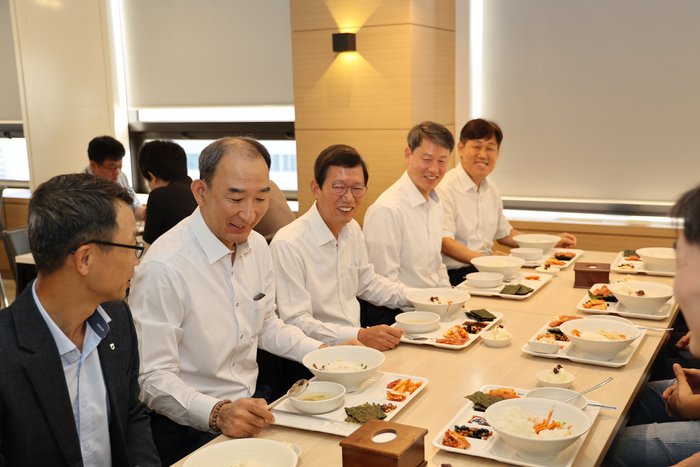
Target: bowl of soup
{"points": [[319, 397], [416, 322]]}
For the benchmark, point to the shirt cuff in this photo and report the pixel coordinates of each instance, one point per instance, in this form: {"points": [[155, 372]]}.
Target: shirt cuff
{"points": [[200, 411], [346, 333], [309, 345], [404, 301]]}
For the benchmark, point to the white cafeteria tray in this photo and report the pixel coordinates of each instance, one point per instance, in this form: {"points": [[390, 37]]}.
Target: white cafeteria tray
{"points": [[621, 310], [495, 449], [540, 262], [570, 352], [518, 279], [638, 267], [438, 333], [372, 390]]}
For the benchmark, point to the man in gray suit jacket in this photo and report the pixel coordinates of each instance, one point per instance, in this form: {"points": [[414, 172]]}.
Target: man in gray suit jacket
{"points": [[69, 358]]}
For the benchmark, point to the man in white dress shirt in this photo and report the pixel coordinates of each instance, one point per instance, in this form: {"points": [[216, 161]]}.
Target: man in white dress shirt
{"points": [[203, 299], [321, 263], [106, 155], [403, 228], [473, 210]]}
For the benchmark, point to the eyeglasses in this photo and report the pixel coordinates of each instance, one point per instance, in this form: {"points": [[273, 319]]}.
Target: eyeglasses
{"points": [[139, 247], [116, 168], [358, 191]]}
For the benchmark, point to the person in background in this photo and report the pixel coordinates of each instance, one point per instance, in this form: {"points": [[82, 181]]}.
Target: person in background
{"points": [[68, 349], [164, 166], [403, 228], [277, 216], [664, 428], [204, 302], [473, 209], [106, 154], [321, 264]]}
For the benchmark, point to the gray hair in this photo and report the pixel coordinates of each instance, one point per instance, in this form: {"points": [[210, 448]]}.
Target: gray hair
{"points": [[211, 155], [435, 132], [69, 210]]}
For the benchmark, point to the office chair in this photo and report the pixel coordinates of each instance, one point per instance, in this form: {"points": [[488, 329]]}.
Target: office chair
{"points": [[16, 243], [4, 302]]}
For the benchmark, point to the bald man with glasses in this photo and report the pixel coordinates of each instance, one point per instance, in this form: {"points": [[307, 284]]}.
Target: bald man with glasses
{"points": [[321, 264]]}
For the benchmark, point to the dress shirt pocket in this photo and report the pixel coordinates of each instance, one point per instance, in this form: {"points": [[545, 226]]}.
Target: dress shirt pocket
{"points": [[259, 309], [349, 282]]}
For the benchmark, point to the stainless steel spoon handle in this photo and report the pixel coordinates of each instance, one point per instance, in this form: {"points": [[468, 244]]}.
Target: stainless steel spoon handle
{"points": [[278, 401], [602, 406], [654, 329], [589, 389]]}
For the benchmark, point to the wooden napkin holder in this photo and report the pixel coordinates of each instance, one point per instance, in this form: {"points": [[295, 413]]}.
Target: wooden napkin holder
{"points": [[406, 450], [588, 274]]}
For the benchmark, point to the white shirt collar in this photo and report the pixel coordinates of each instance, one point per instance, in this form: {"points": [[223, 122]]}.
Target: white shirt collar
{"points": [[467, 182], [319, 228], [212, 246], [415, 197]]}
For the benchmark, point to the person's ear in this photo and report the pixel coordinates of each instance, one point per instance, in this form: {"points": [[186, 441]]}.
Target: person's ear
{"points": [[199, 189], [408, 154], [82, 259], [315, 188]]}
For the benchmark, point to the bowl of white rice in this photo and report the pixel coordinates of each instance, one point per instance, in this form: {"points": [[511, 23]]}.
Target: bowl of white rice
{"points": [[506, 265], [545, 242], [348, 365], [600, 338], [658, 259], [642, 296], [515, 421], [244, 453]]}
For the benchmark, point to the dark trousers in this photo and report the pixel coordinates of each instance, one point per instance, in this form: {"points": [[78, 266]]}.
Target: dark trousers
{"points": [[277, 374], [457, 275], [373, 315]]}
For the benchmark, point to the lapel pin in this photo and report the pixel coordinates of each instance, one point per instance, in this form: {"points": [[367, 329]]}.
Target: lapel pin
{"points": [[111, 346]]}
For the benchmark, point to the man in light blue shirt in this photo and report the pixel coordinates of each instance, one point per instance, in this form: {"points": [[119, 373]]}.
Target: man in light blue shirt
{"points": [[68, 350]]}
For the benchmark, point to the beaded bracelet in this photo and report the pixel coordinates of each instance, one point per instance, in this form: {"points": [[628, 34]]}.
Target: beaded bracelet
{"points": [[217, 408]]}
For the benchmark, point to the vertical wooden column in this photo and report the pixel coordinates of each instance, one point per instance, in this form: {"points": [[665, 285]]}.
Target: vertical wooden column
{"points": [[402, 74]]}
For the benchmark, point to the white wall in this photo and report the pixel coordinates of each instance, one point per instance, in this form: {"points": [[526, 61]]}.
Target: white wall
{"points": [[208, 52]]}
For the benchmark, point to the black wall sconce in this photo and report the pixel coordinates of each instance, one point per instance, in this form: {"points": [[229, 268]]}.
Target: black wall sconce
{"points": [[344, 42]]}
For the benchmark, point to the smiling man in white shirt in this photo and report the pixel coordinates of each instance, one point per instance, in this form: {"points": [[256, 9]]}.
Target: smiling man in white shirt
{"points": [[321, 260], [203, 299], [403, 228], [473, 210]]}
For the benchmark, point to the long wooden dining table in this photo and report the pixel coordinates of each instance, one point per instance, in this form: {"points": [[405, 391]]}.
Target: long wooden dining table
{"points": [[453, 374]]}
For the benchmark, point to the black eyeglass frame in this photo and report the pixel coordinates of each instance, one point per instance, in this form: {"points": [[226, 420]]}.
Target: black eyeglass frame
{"points": [[347, 187], [139, 247]]}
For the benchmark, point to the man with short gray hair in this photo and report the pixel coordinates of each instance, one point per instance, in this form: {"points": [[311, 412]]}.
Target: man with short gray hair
{"points": [[204, 299], [403, 228], [68, 350]]}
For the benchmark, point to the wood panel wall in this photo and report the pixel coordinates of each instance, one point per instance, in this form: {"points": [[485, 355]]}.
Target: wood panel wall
{"points": [[14, 214], [402, 74]]}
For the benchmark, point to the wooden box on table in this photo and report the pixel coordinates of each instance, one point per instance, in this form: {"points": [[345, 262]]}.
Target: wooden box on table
{"points": [[406, 450], [588, 274]]}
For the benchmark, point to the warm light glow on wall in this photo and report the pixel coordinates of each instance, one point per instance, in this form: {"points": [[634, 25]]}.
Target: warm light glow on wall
{"points": [[350, 17], [348, 57], [476, 26]]}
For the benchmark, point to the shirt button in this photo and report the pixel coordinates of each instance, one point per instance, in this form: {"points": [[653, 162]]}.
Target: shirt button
{"points": [[86, 445], [241, 336], [84, 404]]}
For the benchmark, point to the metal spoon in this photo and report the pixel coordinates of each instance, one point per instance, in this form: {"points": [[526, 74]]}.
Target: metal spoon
{"points": [[654, 329], [298, 387], [415, 337], [589, 390]]}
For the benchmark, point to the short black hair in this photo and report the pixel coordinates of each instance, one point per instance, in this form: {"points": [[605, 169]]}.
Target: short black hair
{"points": [[211, 155], [338, 155], [433, 131], [69, 210], [164, 159], [105, 147], [687, 208], [480, 129]]}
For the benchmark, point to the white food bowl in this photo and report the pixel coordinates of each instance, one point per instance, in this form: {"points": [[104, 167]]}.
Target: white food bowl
{"points": [[542, 378], [484, 279], [352, 380], [545, 242], [558, 394], [487, 336], [509, 268], [317, 407], [658, 259], [544, 347], [227, 453], [552, 271], [416, 322], [655, 295], [420, 299], [528, 254], [600, 350], [536, 449]]}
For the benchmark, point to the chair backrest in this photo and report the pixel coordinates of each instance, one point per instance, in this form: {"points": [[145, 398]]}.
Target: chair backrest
{"points": [[2, 224], [16, 243]]}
